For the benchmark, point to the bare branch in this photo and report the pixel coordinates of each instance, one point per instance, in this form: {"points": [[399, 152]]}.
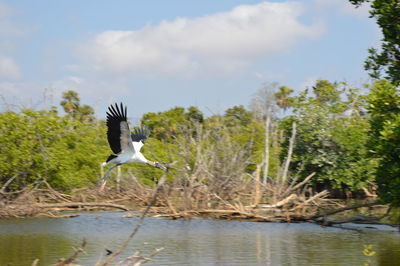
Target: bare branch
{"points": [[71, 258], [138, 225]]}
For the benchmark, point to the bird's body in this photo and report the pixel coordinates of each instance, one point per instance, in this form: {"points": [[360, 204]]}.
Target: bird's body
{"points": [[127, 157], [125, 145]]}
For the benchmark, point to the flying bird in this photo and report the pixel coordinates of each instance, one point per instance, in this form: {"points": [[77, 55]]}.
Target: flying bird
{"points": [[125, 144]]}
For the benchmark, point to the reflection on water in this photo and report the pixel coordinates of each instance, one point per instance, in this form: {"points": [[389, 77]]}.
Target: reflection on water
{"points": [[195, 242]]}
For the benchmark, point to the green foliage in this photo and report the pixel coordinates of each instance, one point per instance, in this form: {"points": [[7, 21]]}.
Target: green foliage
{"points": [[326, 92], [387, 58], [237, 116], [384, 109], [74, 109], [384, 99], [335, 138], [169, 127], [166, 125], [246, 131], [283, 100], [40, 145], [329, 140]]}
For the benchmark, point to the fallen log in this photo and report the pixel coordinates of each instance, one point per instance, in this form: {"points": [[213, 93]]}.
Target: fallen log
{"points": [[319, 195], [285, 201], [356, 206], [50, 215], [354, 219], [74, 205], [230, 214]]}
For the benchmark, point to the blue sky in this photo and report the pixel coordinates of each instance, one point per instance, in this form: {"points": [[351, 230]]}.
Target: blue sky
{"points": [[154, 55]]}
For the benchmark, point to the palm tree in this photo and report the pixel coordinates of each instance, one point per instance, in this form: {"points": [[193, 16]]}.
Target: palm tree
{"points": [[282, 97], [70, 102]]}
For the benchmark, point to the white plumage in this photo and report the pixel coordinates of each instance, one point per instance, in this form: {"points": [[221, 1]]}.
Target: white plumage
{"points": [[125, 145]]}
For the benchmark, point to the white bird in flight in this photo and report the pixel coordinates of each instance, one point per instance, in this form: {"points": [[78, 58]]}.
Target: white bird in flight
{"points": [[124, 144]]}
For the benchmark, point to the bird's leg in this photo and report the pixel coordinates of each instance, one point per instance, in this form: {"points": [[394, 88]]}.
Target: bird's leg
{"points": [[102, 185], [103, 180]]}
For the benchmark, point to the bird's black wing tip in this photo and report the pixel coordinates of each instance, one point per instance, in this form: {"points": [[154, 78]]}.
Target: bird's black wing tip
{"points": [[140, 133], [117, 110]]}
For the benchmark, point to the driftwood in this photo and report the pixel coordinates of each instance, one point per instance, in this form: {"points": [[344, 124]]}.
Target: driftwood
{"points": [[353, 219], [317, 196], [75, 205], [356, 206], [51, 215], [292, 188], [359, 218], [285, 201], [236, 215]]}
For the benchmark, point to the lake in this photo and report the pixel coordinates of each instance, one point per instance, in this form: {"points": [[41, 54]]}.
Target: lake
{"points": [[195, 242]]}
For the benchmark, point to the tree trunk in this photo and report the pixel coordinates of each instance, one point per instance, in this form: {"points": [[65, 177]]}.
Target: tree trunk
{"points": [[266, 158], [257, 193], [289, 156]]}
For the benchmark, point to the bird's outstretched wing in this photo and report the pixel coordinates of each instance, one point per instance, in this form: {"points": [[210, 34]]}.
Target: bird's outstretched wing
{"points": [[139, 137], [118, 134]]}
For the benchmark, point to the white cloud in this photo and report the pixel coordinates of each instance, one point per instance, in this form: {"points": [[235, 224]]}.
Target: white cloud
{"points": [[9, 69], [226, 41]]}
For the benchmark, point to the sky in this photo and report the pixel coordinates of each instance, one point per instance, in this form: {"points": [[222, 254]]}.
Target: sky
{"points": [[154, 55]]}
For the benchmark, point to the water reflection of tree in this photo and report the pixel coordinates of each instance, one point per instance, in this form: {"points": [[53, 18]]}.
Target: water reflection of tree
{"points": [[22, 248]]}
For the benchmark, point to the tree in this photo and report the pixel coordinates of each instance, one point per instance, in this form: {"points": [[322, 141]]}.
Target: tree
{"points": [[167, 125], [387, 58], [41, 145], [384, 109], [86, 113], [237, 115], [194, 115], [264, 105], [72, 106], [326, 92], [283, 100], [70, 102], [330, 141]]}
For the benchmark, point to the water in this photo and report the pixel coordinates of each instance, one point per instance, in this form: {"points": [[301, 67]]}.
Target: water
{"points": [[194, 242]]}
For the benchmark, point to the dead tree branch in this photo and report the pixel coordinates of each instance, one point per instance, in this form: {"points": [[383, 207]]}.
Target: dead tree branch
{"points": [[352, 207], [112, 257], [3, 188], [80, 205], [291, 188], [71, 258]]}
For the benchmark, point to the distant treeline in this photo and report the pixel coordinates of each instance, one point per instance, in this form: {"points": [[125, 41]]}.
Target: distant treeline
{"points": [[349, 137]]}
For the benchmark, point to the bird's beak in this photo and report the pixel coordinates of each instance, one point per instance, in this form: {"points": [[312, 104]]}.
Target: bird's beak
{"points": [[160, 166]]}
